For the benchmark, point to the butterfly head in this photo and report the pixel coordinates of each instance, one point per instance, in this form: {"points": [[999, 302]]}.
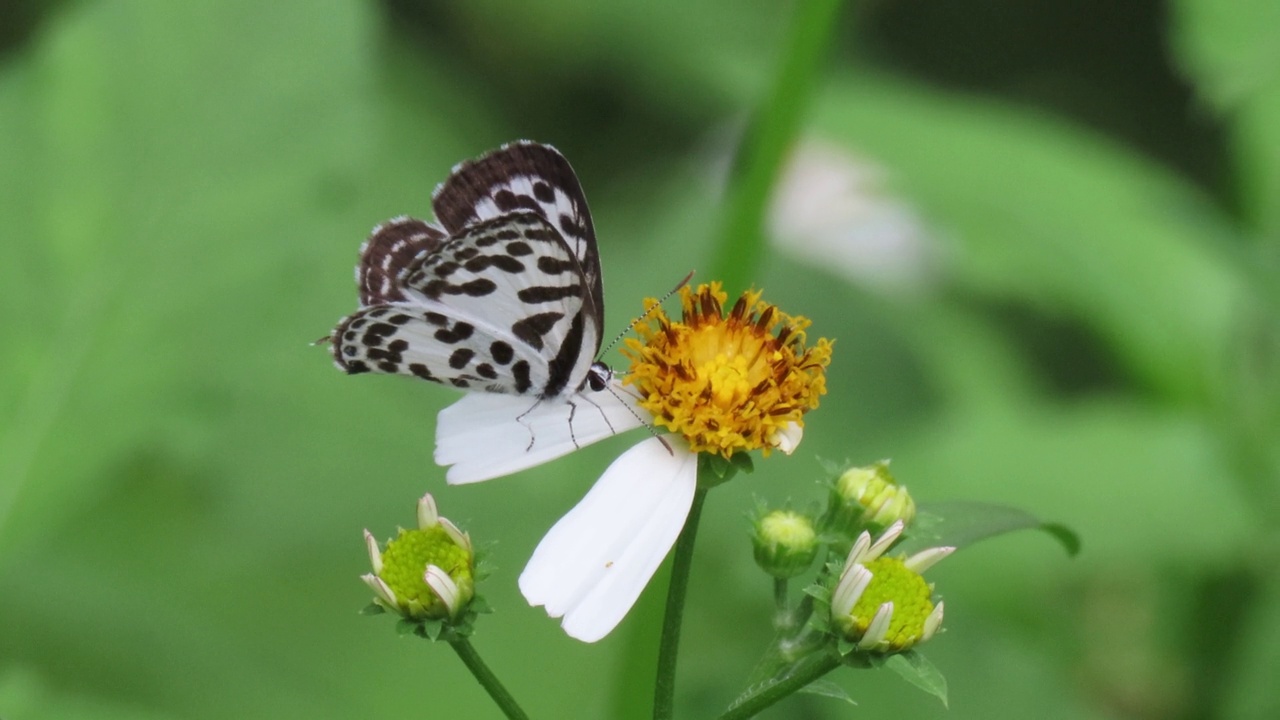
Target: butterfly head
{"points": [[598, 376]]}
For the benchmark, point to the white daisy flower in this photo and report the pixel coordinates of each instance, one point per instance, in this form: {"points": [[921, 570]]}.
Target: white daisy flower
{"points": [[720, 384]]}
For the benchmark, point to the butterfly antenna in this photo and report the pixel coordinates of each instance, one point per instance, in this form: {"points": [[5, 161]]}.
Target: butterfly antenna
{"points": [[647, 425], [647, 313]]}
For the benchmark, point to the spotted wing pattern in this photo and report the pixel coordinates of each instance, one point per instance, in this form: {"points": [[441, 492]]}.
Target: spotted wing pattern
{"points": [[499, 307], [386, 256], [526, 176]]}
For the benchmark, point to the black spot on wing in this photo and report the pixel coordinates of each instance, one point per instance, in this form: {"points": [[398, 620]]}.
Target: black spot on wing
{"points": [[555, 266], [504, 263], [532, 328], [461, 357], [549, 293], [456, 334], [501, 352], [520, 372]]}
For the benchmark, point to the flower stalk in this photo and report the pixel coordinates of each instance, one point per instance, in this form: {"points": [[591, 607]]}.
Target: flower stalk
{"points": [[483, 675], [664, 688]]}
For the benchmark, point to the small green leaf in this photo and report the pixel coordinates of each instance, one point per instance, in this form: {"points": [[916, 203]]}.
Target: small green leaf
{"points": [[917, 670], [826, 688], [742, 462], [406, 627], [372, 609], [962, 523], [431, 629]]}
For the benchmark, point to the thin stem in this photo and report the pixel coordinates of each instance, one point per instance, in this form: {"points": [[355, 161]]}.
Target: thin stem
{"points": [[812, 668], [487, 679], [664, 688], [782, 619], [740, 244]]}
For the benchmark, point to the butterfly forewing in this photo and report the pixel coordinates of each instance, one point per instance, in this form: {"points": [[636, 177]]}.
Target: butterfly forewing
{"points": [[498, 307], [526, 176]]}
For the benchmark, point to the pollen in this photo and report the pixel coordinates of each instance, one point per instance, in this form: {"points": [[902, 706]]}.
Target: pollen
{"points": [[727, 383]]}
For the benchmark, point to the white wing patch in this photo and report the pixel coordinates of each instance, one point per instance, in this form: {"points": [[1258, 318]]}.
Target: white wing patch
{"points": [[483, 436]]}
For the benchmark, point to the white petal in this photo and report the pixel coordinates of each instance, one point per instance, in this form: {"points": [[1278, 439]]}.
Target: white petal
{"points": [[887, 538], [443, 587], [853, 582], [788, 438], [383, 591], [858, 552], [428, 515], [592, 565], [926, 559], [487, 435], [375, 555], [932, 623], [878, 628]]}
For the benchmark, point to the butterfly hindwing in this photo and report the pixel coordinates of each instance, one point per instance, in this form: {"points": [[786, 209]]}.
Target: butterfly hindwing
{"points": [[529, 177], [498, 307], [386, 256]]}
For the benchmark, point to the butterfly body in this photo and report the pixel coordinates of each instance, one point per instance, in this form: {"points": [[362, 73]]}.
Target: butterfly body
{"points": [[503, 296]]}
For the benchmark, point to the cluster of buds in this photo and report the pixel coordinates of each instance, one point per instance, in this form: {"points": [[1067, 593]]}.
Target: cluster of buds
{"points": [[879, 603]]}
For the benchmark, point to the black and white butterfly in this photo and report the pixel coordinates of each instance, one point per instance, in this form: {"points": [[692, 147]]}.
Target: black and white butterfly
{"points": [[502, 297]]}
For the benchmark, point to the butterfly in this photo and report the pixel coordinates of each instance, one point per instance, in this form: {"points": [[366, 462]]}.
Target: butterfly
{"points": [[502, 296]]}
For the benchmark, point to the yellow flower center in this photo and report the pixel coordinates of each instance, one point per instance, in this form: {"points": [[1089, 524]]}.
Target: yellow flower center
{"points": [[726, 383]]}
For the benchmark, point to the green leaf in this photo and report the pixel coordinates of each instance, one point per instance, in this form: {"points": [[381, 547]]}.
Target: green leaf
{"points": [[961, 523], [916, 669], [373, 608], [827, 688]]}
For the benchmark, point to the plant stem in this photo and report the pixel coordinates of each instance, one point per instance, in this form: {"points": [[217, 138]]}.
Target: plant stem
{"points": [[487, 679], [812, 668], [740, 242], [664, 688], [782, 619]]}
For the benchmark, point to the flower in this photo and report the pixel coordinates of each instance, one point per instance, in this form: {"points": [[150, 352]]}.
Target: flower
{"points": [[423, 574], [728, 384], [867, 496], [882, 604], [722, 385], [785, 543]]}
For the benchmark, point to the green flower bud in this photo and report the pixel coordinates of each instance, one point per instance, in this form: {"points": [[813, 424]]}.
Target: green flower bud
{"points": [[867, 498], [882, 604], [423, 574], [785, 543]]}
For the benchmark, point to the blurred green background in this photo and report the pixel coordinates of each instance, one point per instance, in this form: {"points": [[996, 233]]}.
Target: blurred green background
{"points": [[1044, 236]]}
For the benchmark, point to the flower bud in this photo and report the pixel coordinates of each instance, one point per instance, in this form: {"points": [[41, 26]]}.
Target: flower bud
{"points": [[882, 604], [867, 498], [785, 543], [423, 574]]}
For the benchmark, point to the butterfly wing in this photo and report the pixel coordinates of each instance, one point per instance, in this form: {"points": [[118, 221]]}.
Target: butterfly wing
{"points": [[483, 435], [529, 177], [498, 307], [386, 256]]}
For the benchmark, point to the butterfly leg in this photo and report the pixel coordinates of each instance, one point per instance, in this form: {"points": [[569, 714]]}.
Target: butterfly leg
{"points": [[532, 437]]}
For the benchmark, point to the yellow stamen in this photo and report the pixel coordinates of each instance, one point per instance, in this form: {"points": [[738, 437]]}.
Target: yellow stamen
{"points": [[726, 383]]}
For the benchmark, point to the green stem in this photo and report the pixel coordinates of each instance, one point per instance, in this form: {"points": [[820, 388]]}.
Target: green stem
{"points": [[782, 619], [740, 241], [487, 679], [814, 667], [664, 688]]}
